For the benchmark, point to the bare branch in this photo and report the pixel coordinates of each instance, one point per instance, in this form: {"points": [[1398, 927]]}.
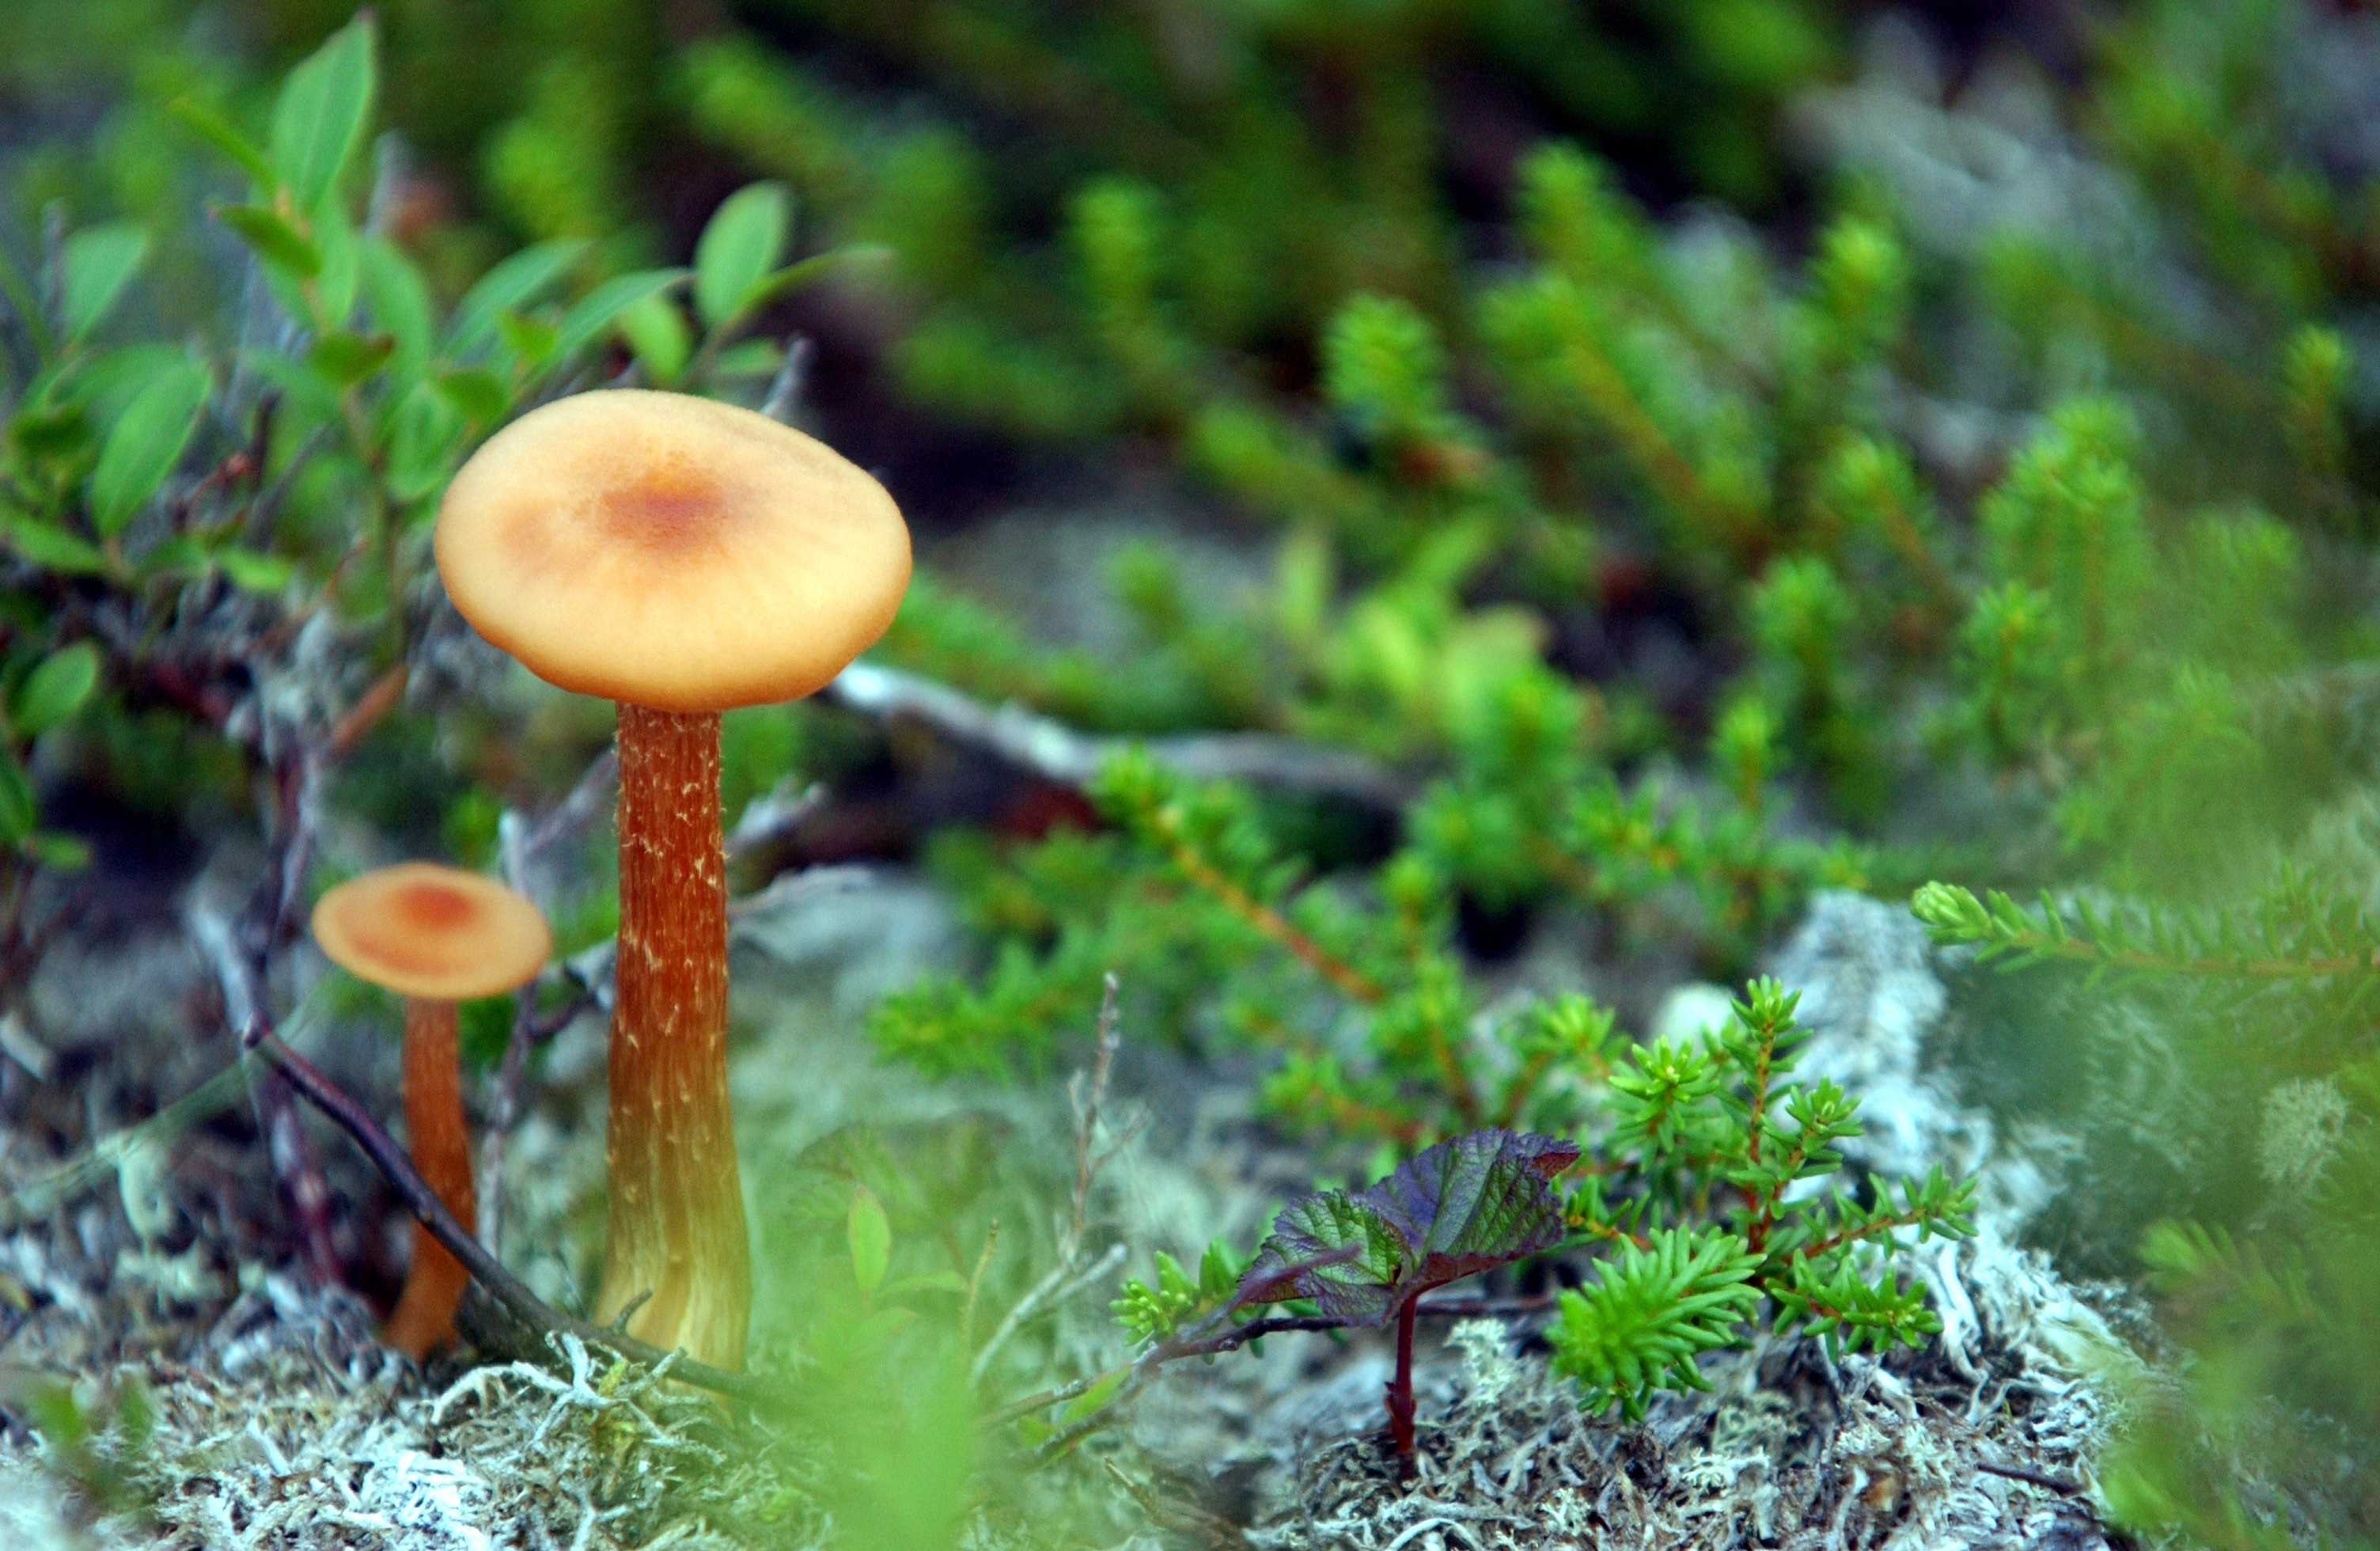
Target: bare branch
{"points": [[784, 396], [1088, 1092], [773, 816], [1056, 752]]}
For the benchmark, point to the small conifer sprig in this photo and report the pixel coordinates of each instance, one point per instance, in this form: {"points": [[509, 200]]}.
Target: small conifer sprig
{"points": [[1197, 905], [1685, 1154], [2294, 930]]}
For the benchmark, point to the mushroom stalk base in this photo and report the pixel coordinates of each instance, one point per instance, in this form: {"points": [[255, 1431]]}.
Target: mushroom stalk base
{"points": [[675, 1235], [424, 1317]]}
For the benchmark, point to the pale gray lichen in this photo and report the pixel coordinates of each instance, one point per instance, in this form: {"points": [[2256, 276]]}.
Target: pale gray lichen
{"points": [[2304, 1120]]}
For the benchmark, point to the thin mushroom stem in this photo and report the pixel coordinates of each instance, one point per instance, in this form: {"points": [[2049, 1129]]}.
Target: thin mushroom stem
{"points": [[424, 1317], [675, 1212]]}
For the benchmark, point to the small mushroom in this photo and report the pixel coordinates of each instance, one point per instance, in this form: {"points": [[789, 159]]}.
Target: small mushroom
{"points": [[436, 936], [683, 558]]}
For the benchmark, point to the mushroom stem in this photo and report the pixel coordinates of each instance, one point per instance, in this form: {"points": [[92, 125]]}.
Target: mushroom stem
{"points": [[674, 1226], [442, 1151]]}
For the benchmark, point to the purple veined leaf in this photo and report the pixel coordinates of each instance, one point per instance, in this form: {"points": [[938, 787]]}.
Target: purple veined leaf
{"points": [[1479, 1201], [1482, 1200]]}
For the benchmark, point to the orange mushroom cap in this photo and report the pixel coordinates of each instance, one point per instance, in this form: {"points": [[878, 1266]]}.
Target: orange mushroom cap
{"points": [[433, 932], [671, 551]]}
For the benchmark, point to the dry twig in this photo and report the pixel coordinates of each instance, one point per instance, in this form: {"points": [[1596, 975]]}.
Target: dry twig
{"points": [[1056, 752]]}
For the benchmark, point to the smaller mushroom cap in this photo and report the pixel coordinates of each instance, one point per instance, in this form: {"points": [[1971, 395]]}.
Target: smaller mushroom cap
{"points": [[435, 932], [671, 551]]}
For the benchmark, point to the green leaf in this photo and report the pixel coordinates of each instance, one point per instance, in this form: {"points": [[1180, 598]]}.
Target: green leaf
{"points": [[399, 300], [105, 380], [341, 247], [347, 358], [1459, 1207], [1336, 1249], [54, 690], [217, 131], [930, 1281], [272, 239], [508, 288], [48, 545], [872, 1239], [477, 394], [421, 442], [17, 810], [145, 443], [253, 572], [98, 265], [738, 248], [528, 338], [656, 332], [601, 307], [321, 115], [49, 431], [793, 277], [748, 359], [55, 848], [1091, 1402], [180, 555], [307, 397]]}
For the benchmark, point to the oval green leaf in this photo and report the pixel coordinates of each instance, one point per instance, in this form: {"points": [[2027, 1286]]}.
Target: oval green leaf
{"points": [[347, 358], [217, 131], [252, 572], [601, 307], [321, 113], [738, 248], [54, 690], [531, 340], [53, 548], [399, 299], [508, 288], [145, 443], [655, 328], [477, 394], [57, 850], [16, 807], [97, 265], [272, 239]]}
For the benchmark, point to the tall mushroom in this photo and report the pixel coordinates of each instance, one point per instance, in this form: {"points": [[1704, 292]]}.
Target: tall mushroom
{"points": [[683, 558], [436, 936]]}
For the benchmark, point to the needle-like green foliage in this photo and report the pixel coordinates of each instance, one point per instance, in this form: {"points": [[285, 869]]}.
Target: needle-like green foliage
{"points": [[1687, 1156]]}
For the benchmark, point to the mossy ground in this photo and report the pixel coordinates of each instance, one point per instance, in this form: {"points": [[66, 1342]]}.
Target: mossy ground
{"points": [[278, 1420]]}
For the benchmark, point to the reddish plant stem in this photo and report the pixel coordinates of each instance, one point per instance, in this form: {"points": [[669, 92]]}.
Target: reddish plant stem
{"points": [[424, 1316], [365, 714], [1400, 1395]]}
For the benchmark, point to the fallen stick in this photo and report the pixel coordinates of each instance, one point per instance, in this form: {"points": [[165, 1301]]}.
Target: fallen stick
{"points": [[1070, 757]]}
